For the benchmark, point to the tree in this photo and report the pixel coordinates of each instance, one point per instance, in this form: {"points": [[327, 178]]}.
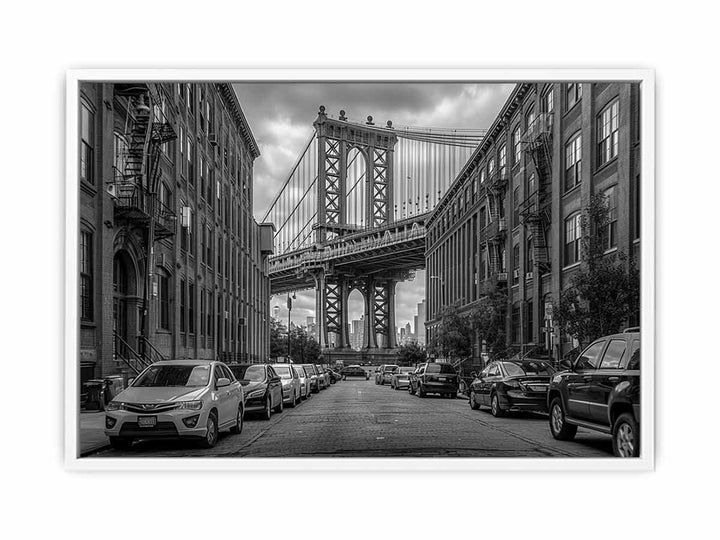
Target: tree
{"points": [[411, 353], [489, 321], [278, 339], [303, 348], [453, 337], [605, 294]]}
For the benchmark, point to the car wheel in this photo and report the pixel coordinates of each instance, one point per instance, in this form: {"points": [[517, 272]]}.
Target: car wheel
{"points": [[238, 427], [495, 409], [411, 391], [121, 443], [473, 403], [420, 391], [279, 407], [293, 401], [267, 412], [211, 434], [559, 428], [626, 441]]}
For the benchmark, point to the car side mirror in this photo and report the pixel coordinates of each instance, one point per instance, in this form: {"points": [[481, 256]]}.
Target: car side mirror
{"points": [[223, 381], [566, 364]]}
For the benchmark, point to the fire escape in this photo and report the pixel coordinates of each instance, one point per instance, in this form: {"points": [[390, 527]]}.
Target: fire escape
{"points": [[535, 209], [497, 228], [135, 191]]}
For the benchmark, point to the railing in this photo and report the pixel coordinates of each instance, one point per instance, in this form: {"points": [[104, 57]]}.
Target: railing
{"points": [[542, 124], [129, 356], [347, 246], [132, 197], [151, 352]]}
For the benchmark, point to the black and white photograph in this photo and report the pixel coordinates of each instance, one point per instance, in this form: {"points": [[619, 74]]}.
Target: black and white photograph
{"points": [[330, 269], [352, 271]]}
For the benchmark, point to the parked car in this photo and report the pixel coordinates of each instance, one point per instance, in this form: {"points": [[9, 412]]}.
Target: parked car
{"points": [[290, 381], [315, 379], [176, 399], [305, 391], [354, 371], [263, 389], [324, 376], [384, 373], [601, 391], [401, 378], [512, 385], [434, 378]]}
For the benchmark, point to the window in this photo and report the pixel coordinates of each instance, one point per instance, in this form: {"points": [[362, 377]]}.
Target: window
{"points": [[573, 94], [573, 233], [607, 133], [608, 233], [86, 275], [530, 118], [203, 243], [548, 101], [119, 153], [516, 264], [208, 246], [531, 184], [191, 308], [590, 358], [529, 258], [190, 162], [87, 135], [516, 323], [573, 162], [202, 168], [516, 206], [491, 167], [209, 313], [483, 264], [613, 354], [191, 98], [164, 301], [502, 162], [483, 175], [183, 306], [529, 323], [517, 145], [181, 143]]}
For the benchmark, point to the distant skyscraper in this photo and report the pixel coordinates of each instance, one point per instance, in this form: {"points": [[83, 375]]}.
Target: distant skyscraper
{"points": [[420, 319], [357, 333]]}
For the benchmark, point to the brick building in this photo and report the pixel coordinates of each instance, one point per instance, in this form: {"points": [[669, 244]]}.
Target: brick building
{"points": [[511, 220], [168, 166]]}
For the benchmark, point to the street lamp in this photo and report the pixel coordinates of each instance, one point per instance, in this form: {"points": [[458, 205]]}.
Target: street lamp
{"points": [[289, 306]]}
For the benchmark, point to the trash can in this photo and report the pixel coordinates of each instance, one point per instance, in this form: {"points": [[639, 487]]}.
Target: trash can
{"points": [[113, 386], [95, 389]]}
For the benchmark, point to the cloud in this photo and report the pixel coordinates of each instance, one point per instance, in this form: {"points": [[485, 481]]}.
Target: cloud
{"points": [[281, 117]]}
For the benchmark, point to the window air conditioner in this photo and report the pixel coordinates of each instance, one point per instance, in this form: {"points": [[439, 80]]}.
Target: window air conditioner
{"points": [[112, 190], [212, 139]]}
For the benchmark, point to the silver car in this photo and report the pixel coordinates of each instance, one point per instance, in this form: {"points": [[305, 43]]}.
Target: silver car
{"points": [[305, 390], [177, 398], [290, 380]]}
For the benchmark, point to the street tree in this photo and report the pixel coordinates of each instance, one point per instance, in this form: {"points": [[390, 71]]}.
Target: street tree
{"points": [[303, 348], [278, 339], [410, 354], [453, 336], [604, 295], [489, 321]]}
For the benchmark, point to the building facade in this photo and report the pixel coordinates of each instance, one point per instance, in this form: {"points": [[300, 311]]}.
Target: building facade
{"points": [[511, 221], [172, 262]]}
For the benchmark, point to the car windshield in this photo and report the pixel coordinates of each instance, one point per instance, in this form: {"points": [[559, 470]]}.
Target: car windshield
{"points": [[439, 368], [283, 371], [390, 368], [406, 370], [515, 369], [310, 370], [249, 373], [174, 375], [300, 371]]}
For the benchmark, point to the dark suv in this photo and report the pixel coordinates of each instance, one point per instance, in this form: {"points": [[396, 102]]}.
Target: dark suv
{"points": [[434, 378], [601, 391]]}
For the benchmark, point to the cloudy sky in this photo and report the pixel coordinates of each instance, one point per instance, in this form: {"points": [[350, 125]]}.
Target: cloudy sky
{"points": [[281, 117]]}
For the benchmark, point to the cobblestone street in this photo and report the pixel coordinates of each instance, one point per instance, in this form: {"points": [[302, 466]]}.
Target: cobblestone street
{"points": [[361, 419]]}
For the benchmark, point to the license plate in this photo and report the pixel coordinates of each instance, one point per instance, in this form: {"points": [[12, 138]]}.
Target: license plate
{"points": [[147, 421], [442, 378]]}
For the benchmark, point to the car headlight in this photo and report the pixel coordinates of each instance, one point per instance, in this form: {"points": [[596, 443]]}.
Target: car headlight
{"points": [[115, 406], [190, 405], [256, 393]]}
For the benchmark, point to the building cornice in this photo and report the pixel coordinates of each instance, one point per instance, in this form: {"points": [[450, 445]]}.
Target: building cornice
{"points": [[501, 121], [233, 103]]}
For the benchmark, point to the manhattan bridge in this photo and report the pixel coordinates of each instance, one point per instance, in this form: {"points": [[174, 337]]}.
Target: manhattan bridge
{"points": [[351, 216]]}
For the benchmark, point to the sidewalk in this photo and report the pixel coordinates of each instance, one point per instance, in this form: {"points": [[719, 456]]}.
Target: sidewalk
{"points": [[92, 434]]}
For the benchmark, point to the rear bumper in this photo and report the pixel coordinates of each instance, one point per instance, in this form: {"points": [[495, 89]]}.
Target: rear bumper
{"points": [[521, 402], [439, 388]]}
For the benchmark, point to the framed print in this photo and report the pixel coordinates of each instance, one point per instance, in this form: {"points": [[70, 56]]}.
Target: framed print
{"points": [[360, 269]]}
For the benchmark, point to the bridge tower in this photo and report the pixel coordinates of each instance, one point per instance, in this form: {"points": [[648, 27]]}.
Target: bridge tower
{"points": [[336, 139]]}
